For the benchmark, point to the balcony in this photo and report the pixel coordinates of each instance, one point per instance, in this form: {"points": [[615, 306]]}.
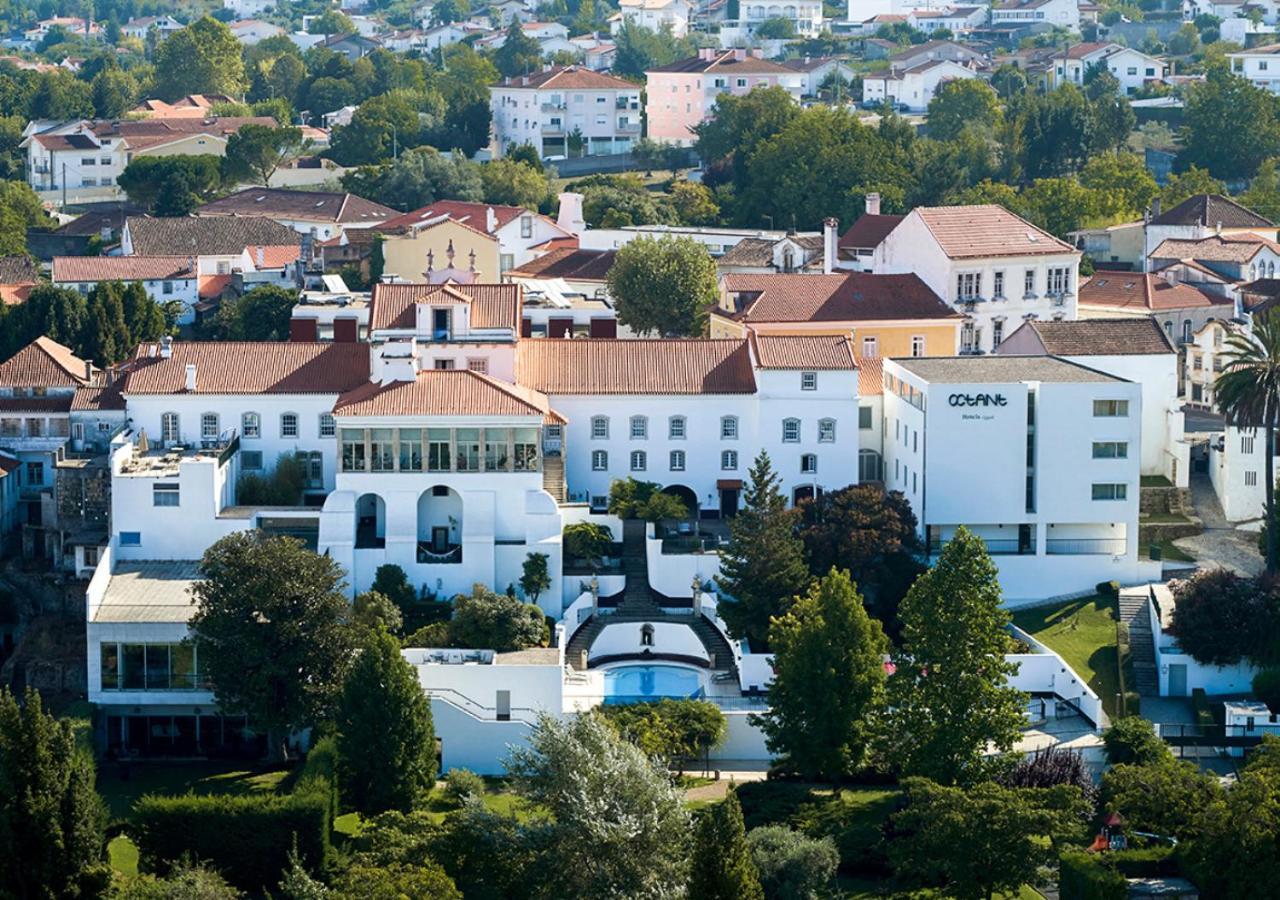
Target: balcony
{"points": [[554, 107], [629, 128], [1086, 547], [1011, 547], [431, 554]]}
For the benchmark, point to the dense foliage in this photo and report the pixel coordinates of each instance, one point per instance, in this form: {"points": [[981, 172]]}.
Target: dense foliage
{"points": [[672, 731]]}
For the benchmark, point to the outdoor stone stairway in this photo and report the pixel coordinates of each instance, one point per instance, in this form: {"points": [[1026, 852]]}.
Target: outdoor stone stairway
{"points": [[1142, 654], [553, 477]]}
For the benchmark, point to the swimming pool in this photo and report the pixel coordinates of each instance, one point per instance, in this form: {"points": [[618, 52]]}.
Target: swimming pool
{"points": [[635, 684]]}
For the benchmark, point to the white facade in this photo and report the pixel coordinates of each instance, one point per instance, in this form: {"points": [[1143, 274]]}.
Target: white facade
{"points": [[805, 16], [245, 9], [1237, 469], [184, 291], [1261, 66], [536, 111], [912, 88], [1132, 68], [1038, 14], [654, 15]]}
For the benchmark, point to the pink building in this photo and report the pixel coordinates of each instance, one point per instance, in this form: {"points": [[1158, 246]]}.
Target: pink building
{"points": [[682, 94]]}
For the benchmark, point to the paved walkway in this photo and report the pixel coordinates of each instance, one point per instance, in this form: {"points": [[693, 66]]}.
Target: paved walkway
{"points": [[1219, 544]]}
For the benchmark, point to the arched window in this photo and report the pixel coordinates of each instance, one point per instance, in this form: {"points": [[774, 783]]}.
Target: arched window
{"points": [[677, 460], [1168, 328], [169, 431], [288, 425], [639, 428], [791, 431], [826, 431], [728, 460], [728, 428], [639, 461], [599, 427], [250, 425], [809, 463], [676, 428], [1253, 271], [599, 460]]}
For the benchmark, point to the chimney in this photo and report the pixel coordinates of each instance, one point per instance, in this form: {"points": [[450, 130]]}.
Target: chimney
{"points": [[490, 220], [570, 215], [1155, 208], [88, 370], [830, 228], [1217, 229], [166, 347], [395, 361], [873, 203], [261, 257], [191, 377]]}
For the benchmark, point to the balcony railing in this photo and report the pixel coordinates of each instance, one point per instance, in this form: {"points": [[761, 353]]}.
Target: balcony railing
{"points": [[1012, 547], [426, 554], [1086, 547]]}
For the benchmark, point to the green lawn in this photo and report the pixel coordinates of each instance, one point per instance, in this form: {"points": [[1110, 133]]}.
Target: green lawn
{"points": [[123, 854], [121, 790], [1162, 519], [1155, 481], [498, 798], [1174, 553], [1083, 632]]}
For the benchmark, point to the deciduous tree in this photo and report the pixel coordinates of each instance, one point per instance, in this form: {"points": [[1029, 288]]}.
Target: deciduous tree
{"points": [[962, 103], [665, 284], [487, 620], [792, 865], [1225, 104], [261, 315], [203, 58]]}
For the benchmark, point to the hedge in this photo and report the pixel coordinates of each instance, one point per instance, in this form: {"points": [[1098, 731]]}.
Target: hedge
{"points": [[246, 838], [1102, 876]]}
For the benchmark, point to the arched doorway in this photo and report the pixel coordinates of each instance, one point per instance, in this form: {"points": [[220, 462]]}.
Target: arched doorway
{"points": [[868, 466], [685, 495], [371, 522], [440, 525], [804, 492]]}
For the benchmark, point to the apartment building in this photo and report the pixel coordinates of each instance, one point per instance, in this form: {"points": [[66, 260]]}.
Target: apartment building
{"points": [[565, 111]]}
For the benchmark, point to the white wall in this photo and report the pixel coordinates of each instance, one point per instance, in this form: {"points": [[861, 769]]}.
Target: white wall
{"points": [[1237, 679]]}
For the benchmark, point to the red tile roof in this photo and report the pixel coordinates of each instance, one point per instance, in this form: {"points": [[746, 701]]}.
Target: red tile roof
{"points": [[649, 366], [99, 398], [1139, 336], [1141, 291], [726, 61], [1237, 248], [868, 231], [436, 392], [121, 268], [318, 206], [492, 305], [57, 404], [569, 78], [575, 265], [242, 367], [870, 376], [474, 215], [43, 363], [847, 297], [802, 351], [965, 232]]}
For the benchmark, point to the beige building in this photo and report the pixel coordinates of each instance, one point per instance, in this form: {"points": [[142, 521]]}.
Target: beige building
{"points": [[435, 251]]}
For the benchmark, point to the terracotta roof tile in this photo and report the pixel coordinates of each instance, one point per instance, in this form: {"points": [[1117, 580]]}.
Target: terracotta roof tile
{"points": [[320, 206], [575, 265], [242, 367], [1145, 292], [457, 392], [726, 62], [965, 232], [58, 404], [1208, 210], [492, 305], [1238, 248], [474, 215], [120, 268], [43, 363], [1139, 336], [569, 78], [802, 351], [18, 270], [758, 252], [648, 366], [848, 297], [869, 231], [870, 375], [99, 397], [205, 236]]}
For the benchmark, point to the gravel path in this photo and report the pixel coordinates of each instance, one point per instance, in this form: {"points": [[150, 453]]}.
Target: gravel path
{"points": [[1219, 544]]}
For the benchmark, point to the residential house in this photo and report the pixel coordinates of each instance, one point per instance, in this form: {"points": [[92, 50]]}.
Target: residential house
{"points": [[654, 15], [597, 55], [996, 268], [761, 256], [1204, 359], [1218, 263], [857, 246], [352, 46], [805, 16], [1132, 68], [141, 26], [1037, 15], [1202, 216], [911, 88], [1118, 247], [70, 24], [166, 279], [954, 19], [254, 31], [321, 215], [18, 275], [931, 51], [565, 110], [192, 106], [1260, 65], [244, 9], [818, 69], [565, 294], [683, 94]]}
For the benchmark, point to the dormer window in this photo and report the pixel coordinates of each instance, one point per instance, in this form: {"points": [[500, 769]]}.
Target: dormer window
{"points": [[440, 321]]}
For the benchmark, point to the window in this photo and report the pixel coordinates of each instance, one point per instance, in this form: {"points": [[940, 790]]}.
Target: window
{"points": [[526, 226], [639, 428], [164, 495], [479, 366], [809, 463], [289, 425], [728, 428], [1110, 409], [439, 453], [599, 427], [312, 469], [869, 346], [169, 433], [209, 427], [353, 450], [677, 460], [968, 285], [917, 345], [1029, 283], [729, 460], [328, 427], [676, 428], [410, 442], [599, 460], [1246, 443], [1059, 281], [131, 539], [1110, 491], [444, 365], [997, 332], [1186, 331], [998, 290], [382, 449], [864, 418], [791, 431], [1250, 479], [809, 380], [826, 431], [639, 462], [250, 425], [251, 460], [968, 338], [1110, 450], [166, 288]]}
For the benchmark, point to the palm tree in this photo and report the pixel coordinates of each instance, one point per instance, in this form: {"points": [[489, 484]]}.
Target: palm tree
{"points": [[1248, 393]]}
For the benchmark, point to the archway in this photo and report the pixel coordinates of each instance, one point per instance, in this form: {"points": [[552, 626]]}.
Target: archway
{"points": [[685, 495], [804, 492], [371, 522], [440, 525]]}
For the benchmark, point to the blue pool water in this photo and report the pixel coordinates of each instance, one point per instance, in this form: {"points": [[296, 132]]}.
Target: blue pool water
{"points": [[633, 684]]}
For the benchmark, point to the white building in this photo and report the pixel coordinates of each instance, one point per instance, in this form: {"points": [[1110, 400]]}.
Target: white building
{"points": [[166, 279], [958, 20], [1032, 454], [987, 263], [1199, 217], [805, 16], [654, 15], [1132, 68], [1260, 65], [912, 87], [1037, 15], [140, 27], [1237, 469], [320, 214], [558, 107], [245, 9]]}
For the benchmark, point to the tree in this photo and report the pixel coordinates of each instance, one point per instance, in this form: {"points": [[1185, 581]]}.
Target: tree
{"points": [[762, 569], [949, 698], [534, 577], [962, 103], [587, 541], [985, 841], [143, 316], [741, 123], [617, 201], [870, 532], [203, 58], [1121, 184], [276, 649], [722, 865], [673, 732], [1165, 798], [1055, 132], [159, 183], [793, 866], [1133, 740], [1222, 104], [1058, 205], [390, 581], [514, 183], [1185, 185], [1263, 194], [418, 178], [641, 49], [665, 284], [1248, 393], [1222, 618], [828, 681], [487, 620], [51, 820], [106, 338], [383, 128], [332, 21], [55, 312], [386, 742], [373, 611], [776, 28], [261, 315], [1111, 118], [115, 92], [1236, 849], [519, 54], [1009, 81], [256, 151], [694, 203], [617, 825], [183, 882]]}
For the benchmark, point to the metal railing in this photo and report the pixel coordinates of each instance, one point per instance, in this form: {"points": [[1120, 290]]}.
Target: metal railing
{"points": [[426, 555], [1086, 547], [1011, 547]]}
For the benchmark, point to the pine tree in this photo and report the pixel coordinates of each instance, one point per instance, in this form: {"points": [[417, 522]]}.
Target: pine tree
{"points": [[106, 336], [722, 865], [949, 697], [386, 741], [828, 681], [51, 819], [762, 569], [142, 316]]}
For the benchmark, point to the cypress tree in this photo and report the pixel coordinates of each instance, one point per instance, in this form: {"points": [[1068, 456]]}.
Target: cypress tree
{"points": [[386, 741], [722, 865]]}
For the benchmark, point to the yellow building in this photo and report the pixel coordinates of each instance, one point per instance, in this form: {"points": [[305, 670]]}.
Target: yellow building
{"points": [[884, 315], [412, 249]]}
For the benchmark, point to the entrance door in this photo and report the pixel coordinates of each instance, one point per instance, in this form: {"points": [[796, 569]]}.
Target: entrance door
{"points": [[503, 706], [728, 502], [440, 539], [1178, 680]]}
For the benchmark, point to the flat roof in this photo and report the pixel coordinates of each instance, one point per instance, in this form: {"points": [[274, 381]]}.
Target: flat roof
{"points": [[999, 369], [150, 592]]}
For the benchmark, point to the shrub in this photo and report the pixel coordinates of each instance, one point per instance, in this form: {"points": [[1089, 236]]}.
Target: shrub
{"points": [[672, 730], [1266, 687], [1049, 768], [486, 620], [1108, 588], [1221, 618], [1086, 876], [283, 487], [587, 540], [434, 635], [855, 821], [772, 802], [791, 865], [459, 784], [1200, 706], [391, 582], [632, 499], [1133, 740]]}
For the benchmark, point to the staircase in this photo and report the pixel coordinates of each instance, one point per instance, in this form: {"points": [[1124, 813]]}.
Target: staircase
{"points": [[1142, 654], [553, 477]]}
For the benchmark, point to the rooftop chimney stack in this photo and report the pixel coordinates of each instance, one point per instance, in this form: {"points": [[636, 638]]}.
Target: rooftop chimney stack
{"points": [[166, 347], [873, 203], [490, 220], [570, 215], [830, 230], [191, 377], [262, 258]]}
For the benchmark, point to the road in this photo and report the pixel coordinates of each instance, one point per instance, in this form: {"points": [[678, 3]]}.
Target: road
{"points": [[1219, 544]]}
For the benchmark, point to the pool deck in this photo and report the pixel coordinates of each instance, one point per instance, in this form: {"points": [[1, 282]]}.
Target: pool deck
{"points": [[583, 690]]}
